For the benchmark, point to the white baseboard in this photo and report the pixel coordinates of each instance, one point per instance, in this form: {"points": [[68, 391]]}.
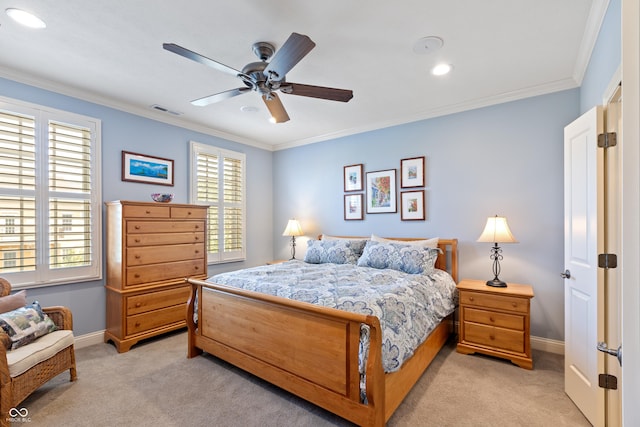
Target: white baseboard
{"points": [[537, 343], [89, 339], [546, 344]]}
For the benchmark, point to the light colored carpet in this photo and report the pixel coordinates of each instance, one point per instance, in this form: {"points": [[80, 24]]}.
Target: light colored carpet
{"points": [[155, 384]]}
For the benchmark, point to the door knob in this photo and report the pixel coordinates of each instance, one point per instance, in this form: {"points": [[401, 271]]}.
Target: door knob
{"points": [[566, 274], [605, 349]]}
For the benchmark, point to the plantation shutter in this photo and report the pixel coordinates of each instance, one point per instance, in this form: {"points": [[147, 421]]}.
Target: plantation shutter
{"points": [[50, 226], [218, 180]]}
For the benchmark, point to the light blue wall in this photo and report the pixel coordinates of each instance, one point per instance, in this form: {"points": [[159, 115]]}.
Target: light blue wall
{"points": [[505, 159], [605, 59], [124, 131]]}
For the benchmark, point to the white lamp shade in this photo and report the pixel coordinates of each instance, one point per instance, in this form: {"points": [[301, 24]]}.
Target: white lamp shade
{"points": [[293, 228], [497, 231]]}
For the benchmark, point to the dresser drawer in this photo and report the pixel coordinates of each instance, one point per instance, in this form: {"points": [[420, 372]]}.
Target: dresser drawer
{"points": [[164, 239], [492, 318], [156, 300], [142, 275], [149, 211], [501, 302], [159, 254], [136, 227], [186, 213], [155, 319], [493, 337]]}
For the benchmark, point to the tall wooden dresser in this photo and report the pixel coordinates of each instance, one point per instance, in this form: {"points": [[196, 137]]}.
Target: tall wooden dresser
{"points": [[151, 248]]}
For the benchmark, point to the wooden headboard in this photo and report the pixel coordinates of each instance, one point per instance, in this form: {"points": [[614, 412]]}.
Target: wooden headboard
{"points": [[447, 260]]}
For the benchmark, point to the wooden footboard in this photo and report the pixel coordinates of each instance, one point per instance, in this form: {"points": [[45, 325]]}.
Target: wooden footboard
{"points": [[309, 350]]}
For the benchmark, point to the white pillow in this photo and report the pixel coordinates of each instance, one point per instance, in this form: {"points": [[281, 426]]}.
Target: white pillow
{"points": [[427, 243]]}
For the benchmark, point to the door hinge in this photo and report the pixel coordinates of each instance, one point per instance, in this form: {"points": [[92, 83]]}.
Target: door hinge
{"points": [[607, 381], [607, 139], [607, 260]]}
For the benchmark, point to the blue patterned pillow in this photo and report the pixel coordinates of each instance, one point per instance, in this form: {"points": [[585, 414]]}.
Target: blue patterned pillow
{"points": [[333, 251], [410, 259], [26, 324]]}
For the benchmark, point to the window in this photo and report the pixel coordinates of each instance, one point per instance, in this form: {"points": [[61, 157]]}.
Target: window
{"points": [[50, 200], [218, 180]]}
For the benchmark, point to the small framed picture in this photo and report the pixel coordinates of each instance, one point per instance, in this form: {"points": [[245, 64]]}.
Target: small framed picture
{"points": [[381, 191], [412, 205], [353, 207], [142, 168], [353, 178], [412, 172]]}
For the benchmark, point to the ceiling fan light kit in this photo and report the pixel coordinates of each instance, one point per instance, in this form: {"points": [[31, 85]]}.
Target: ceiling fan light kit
{"points": [[267, 76]]}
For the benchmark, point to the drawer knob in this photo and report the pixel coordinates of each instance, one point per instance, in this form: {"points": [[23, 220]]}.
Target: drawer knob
{"points": [[137, 227], [491, 319], [138, 305], [137, 276], [197, 251], [137, 240], [189, 213], [492, 337], [470, 298], [514, 304], [137, 324], [147, 212], [196, 268], [197, 227], [197, 238], [137, 256]]}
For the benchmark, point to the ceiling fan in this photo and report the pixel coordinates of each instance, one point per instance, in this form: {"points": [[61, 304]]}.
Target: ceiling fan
{"points": [[267, 77]]}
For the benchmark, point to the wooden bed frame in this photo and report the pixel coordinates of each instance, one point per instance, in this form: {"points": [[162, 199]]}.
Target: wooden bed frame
{"points": [[309, 350]]}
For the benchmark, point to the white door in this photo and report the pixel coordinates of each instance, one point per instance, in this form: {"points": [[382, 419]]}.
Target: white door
{"points": [[583, 240]]}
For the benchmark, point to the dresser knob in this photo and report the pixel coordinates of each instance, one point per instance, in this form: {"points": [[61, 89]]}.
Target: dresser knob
{"points": [[491, 337], [491, 319], [470, 298], [514, 304], [196, 238], [196, 268], [148, 212], [138, 305], [137, 324], [137, 240], [137, 256], [137, 227], [197, 227], [137, 276], [189, 213], [197, 251]]}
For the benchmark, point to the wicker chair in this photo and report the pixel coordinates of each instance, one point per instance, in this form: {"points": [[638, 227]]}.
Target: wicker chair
{"points": [[14, 389]]}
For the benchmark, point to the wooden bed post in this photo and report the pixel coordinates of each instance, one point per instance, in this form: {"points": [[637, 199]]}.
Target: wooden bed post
{"points": [[375, 374], [192, 350]]}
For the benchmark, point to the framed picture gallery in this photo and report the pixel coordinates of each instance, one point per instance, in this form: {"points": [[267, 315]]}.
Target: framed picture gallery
{"points": [[353, 178]]}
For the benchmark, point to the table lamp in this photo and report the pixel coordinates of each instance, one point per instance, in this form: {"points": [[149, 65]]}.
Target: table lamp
{"points": [[496, 231], [293, 229]]}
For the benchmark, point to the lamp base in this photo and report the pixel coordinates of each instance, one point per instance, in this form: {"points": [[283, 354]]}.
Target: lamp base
{"points": [[496, 283]]}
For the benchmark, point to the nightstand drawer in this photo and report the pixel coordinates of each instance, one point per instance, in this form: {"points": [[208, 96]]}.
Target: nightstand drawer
{"points": [[495, 338], [492, 318], [500, 302]]}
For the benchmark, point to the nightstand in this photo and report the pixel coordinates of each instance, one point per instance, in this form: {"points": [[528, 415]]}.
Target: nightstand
{"points": [[495, 321]]}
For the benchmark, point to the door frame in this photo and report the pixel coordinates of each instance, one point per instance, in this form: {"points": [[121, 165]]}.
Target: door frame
{"points": [[630, 190]]}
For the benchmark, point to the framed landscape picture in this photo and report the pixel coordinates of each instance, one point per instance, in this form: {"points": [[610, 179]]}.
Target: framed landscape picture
{"points": [[353, 207], [142, 168], [353, 178], [412, 205], [381, 191], [412, 172]]}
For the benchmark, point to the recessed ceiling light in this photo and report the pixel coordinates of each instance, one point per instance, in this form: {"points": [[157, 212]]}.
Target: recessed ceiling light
{"points": [[25, 18], [441, 69], [248, 109]]}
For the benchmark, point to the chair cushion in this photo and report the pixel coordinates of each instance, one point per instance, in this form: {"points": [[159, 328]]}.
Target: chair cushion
{"points": [[24, 358], [14, 301]]}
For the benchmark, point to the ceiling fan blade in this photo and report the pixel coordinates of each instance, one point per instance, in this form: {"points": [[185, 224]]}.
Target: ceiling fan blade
{"points": [[211, 99], [332, 94], [293, 50], [189, 54], [275, 107]]}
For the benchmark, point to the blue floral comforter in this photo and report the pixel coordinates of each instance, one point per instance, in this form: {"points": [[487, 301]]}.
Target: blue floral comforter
{"points": [[409, 306]]}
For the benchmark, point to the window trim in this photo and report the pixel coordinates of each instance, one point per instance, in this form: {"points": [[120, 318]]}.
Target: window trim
{"points": [[196, 148], [42, 277]]}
